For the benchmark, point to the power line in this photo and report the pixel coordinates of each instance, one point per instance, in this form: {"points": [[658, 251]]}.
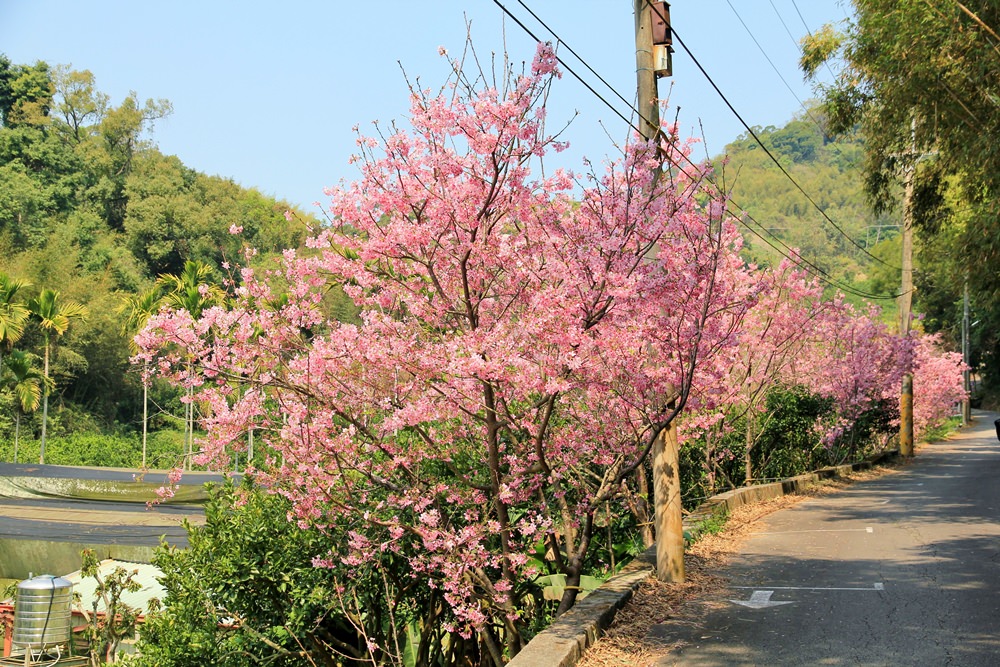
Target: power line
{"points": [[818, 272], [770, 155], [775, 68], [785, 26], [572, 72], [796, 257], [801, 18], [580, 58]]}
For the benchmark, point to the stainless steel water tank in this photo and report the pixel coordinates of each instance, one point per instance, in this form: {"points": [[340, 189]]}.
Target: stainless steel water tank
{"points": [[42, 612]]}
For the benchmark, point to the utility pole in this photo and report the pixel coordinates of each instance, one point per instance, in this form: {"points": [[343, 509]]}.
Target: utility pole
{"points": [[645, 76], [906, 289], [651, 59], [910, 161], [905, 300], [966, 377]]}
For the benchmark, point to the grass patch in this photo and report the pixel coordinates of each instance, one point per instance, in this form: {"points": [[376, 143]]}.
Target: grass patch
{"points": [[943, 430], [711, 525]]}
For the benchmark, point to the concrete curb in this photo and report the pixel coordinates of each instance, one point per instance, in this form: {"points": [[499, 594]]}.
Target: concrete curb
{"points": [[562, 644]]}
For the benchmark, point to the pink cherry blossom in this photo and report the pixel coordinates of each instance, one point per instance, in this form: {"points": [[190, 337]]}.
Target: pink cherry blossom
{"points": [[522, 341]]}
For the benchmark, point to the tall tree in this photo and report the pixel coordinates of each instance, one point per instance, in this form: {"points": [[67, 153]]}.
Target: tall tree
{"points": [[919, 79], [27, 383], [54, 316], [79, 106], [137, 309], [13, 312], [191, 291], [26, 93]]}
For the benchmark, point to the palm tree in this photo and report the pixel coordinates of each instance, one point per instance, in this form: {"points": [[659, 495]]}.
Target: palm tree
{"points": [[54, 317], [137, 310], [191, 291], [13, 313], [26, 383]]}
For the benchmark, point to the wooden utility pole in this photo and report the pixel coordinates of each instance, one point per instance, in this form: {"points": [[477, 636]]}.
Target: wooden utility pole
{"points": [[910, 161], [905, 300], [966, 377], [668, 516], [645, 76]]}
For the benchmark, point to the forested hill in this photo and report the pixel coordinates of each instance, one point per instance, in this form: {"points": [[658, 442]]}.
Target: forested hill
{"points": [[91, 208], [828, 171]]}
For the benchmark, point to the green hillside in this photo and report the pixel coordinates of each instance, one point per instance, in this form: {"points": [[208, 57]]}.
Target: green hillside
{"points": [[832, 228], [90, 208]]}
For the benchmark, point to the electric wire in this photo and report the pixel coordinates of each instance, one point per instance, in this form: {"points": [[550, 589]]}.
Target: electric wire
{"points": [[582, 61], [773, 159], [785, 26], [795, 257], [801, 18], [757, 139], [775, 68], [798, 47], [571, 71]]}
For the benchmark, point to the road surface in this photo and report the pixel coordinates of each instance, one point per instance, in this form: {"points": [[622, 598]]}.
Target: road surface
{"points": [[901, 570]]}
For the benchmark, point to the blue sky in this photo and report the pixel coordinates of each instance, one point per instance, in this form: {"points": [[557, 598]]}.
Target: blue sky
{"points": [[267, 93]]}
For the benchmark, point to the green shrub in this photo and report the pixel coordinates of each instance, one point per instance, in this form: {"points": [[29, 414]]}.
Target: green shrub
{"points": [[164, 450]]}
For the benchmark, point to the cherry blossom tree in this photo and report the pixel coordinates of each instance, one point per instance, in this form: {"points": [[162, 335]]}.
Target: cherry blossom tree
{"points": [[939, 384], [522, 346], [859, 363], [778, 329]]}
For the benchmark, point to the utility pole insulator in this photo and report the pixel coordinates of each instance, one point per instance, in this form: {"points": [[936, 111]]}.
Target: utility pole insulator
{"points": [[662, 39]]}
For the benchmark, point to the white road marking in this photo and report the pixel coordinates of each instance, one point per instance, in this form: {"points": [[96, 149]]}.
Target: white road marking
{"points": [[877, 586], [869, 529], [759, 600]]}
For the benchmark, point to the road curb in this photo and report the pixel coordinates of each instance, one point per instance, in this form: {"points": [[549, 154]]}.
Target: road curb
{"points": [[562, 644]]}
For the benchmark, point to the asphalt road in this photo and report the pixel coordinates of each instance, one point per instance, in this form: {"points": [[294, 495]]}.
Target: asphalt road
{"points": [[902, 570]]}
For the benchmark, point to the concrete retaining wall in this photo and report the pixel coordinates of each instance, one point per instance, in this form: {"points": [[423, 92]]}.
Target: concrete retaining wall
{"points": [[20, 558]]}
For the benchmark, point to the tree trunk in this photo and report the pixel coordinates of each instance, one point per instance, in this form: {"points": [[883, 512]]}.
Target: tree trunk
{"points": [[189, 430], [747, 462], [145, 410], [45, 405], [642, 507]]}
